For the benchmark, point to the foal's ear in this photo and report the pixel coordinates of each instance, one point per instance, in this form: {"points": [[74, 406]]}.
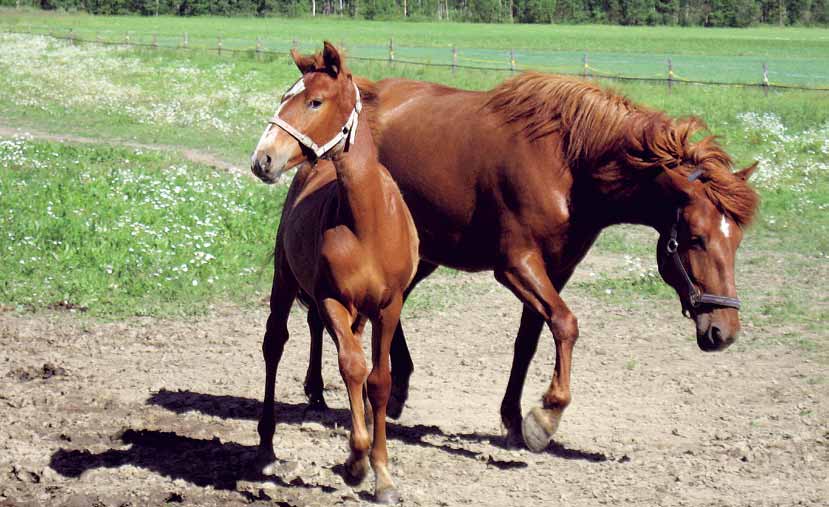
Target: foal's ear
{"points": [[332, 59], [305, 64], [745, 174]]}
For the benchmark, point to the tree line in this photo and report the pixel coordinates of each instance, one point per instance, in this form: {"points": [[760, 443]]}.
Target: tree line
{"points": [[736, 13]]}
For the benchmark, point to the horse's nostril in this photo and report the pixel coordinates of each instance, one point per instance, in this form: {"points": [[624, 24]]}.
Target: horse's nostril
{"points": [[268, 160], [716, 334]]}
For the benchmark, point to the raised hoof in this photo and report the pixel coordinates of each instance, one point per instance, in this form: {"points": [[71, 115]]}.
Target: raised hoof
{"points": [[539, 426], [387, 496], [354, 472], [397, 399]]}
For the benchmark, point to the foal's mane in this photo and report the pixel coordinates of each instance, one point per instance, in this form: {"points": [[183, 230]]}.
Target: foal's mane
{"points": [[623, 142]]}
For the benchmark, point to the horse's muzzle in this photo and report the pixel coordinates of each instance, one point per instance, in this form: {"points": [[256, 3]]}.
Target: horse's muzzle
{"points": [[714, 340]]}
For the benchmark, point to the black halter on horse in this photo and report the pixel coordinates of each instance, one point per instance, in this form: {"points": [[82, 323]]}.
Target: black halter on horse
{"points": [[695, 298]]}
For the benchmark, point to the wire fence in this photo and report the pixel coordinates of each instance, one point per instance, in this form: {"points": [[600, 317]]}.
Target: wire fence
{"points": [[789, 74]]}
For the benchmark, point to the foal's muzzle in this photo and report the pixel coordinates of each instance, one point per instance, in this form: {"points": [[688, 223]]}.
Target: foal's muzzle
{"points": [[261, 166]]}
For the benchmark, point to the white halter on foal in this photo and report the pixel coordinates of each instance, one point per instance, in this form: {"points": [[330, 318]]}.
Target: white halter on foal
{"points": [[348, 131]]}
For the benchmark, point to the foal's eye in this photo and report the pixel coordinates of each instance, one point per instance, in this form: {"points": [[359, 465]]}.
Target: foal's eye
{"points": [[697, 242], [314, 104]]}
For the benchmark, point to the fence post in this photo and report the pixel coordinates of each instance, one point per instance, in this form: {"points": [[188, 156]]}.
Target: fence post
{"points": [[512, 61], [391, 50], [72, 36], [184, 41], [155, 41], [294, 43], [127, 39], [670, 75], [586, 69], [219, 45], [766, 79], [454, 59], [258, 48]]}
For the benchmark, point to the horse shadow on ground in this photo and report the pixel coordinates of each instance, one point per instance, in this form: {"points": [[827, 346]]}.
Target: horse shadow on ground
{"points": [[212, 462]]}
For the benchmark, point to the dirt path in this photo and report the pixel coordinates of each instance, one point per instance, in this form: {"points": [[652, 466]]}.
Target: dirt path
{"points": [[147, 411], [196, 156]]}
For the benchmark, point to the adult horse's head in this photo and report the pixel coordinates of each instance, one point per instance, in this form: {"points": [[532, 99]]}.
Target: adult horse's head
{"points": [[315, 119], [702, 229]]}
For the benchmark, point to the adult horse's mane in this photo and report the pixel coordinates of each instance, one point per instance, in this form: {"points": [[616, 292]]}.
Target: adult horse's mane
{"points": [[599, 128]]}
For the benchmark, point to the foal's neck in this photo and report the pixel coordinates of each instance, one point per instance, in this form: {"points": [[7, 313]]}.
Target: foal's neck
{"points": [[360, 180]]}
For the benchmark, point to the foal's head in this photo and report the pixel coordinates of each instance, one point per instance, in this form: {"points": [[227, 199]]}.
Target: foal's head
{"points": [[313, 113], [699, 239]]}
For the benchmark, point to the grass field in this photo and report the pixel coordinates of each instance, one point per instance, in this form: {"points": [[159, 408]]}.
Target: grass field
{"points": [[220, 103], [794, 55]]}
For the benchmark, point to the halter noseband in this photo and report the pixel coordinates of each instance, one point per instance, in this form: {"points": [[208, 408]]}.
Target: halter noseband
{"points": [[348, 131], [696, 298]]}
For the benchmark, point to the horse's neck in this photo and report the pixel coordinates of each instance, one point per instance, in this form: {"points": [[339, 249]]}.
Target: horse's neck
{"points": [[359, 177], [631, 200]]}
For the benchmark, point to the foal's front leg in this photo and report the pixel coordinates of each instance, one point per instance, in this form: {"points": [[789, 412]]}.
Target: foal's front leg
{"points": [[353, 369], [379, 390]]}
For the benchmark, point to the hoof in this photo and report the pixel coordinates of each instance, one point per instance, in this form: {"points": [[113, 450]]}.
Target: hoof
{"points": [[316, 405], [399, 395], [539, 426], [515, 438], [355, 471], [264, 461], [387, 496]]}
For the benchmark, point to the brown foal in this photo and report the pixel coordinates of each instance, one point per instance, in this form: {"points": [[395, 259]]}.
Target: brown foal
{"points": [[347, 245]]}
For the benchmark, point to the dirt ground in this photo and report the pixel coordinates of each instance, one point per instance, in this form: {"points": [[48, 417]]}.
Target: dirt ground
{"points": [[147, 411]]}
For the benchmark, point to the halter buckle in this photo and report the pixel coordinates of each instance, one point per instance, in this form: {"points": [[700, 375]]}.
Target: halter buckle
{"points": [[672, 245]]}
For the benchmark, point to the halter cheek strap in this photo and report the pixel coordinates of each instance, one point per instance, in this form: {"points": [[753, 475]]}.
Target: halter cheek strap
{"points": [[695, 297], [348, 131]]}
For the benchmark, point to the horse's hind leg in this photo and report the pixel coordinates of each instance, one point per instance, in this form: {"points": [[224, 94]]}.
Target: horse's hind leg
{"points": [[313, 377], [379, 388], [352, 364], [401, 360], [283, 292]]}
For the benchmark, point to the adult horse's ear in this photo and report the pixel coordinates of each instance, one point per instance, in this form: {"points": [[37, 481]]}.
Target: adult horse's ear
{"points": [[676, 183], [332, 59], [305, 64], [745, 174]]}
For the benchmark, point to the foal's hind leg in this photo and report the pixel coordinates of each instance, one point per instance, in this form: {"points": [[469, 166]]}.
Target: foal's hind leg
{"points": [[313, 377], [283, 292], [352, 364]]}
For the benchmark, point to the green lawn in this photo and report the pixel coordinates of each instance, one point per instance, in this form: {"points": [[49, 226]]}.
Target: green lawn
{"points": [[220, 104], [794, 55]]}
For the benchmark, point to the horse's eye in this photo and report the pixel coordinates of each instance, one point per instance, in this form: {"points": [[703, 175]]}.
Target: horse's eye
{"points": [[697, 242], [314, 104]]}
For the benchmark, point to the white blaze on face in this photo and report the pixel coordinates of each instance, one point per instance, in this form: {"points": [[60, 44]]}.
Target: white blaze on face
{"points": [[725, 227]]}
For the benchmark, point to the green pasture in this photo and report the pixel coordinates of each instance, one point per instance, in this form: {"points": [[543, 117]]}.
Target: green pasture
{"points": [[797, 56], [105, 228]]}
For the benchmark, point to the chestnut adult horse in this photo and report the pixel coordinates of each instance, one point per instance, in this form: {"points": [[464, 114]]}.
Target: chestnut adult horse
{"points": [[521, 180], [346, 245]]}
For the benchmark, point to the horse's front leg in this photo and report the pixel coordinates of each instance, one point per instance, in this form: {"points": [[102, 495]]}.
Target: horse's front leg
{"points": [[313, 377], [525, 275], [401, 361]]}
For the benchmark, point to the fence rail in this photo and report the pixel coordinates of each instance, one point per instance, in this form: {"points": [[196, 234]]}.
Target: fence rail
{"points": [[469, 59]]}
